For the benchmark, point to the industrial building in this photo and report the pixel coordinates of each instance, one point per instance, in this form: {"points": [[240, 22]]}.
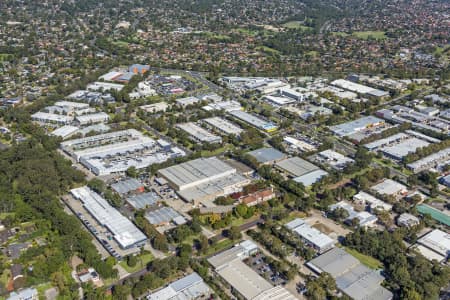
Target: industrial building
{"points": [[143, 200], [402, 114], [89, 119], [65, 131], [117, 151], [333, 159], [104, 86], [439, 216], [372, 202], [311, 236], [353, 127], [254, 121], [51, 119], [128, 185], [352, 278], [190, 287], [429, 162], [199, 134], [203, 179], [226, 106], [301, 170], [155, 107], [224, 126], [435, 245], [187, 101], [278, 101], [299, 144], [124, 232], [365, 219], [391, 188], [163, 216], [407, 220], [244, 280], [24, 294], [360, 89], [267, 156], [91, 97]]}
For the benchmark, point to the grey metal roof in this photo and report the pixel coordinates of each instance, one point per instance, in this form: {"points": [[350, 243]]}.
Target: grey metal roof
{"points": [[126, 186], [162, 215], [296, 166], [265, 155], [186, 282], [140, 201]]}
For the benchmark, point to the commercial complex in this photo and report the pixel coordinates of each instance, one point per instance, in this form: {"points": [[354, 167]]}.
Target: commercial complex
{"points": [[313, 237], [190, 287], [254, 120], [429, 162], [391, 188], [352, 278], [199, 134], [360, 89], [435, 245], [244, 280], [223, 126], [226, 106], [143, 200], [203, 179], [124, 232], [163, 216], [155, 107], [117, 151], [51, 119], [401, 114], [104, 86], [89, 119], [65, 131]]}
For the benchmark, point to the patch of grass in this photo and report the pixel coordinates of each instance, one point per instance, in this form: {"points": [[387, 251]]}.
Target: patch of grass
{"points": [[341, 34], [296, 25], [43, 287], [142, 261], [378, 35], [366, 260], [294, 215], [206, 153], [267, 50], [219, 246]]}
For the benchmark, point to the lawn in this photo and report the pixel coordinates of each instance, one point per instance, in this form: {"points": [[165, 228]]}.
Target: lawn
{"points": [[378, 35], [219, 246], [267, 50], [296, 25], [294, 215], [142, 261], [366, 260], [206, 153]]}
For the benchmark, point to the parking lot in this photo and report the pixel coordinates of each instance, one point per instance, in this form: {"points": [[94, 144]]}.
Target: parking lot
{"points": [[258, 263]]}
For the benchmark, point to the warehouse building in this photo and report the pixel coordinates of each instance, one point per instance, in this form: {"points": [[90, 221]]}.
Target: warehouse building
{"points": [[65, 131], [301, 170], [143, 200], [430, 162], [199, 134], [190, 287], [244, 280], [360, 89], [104, 86], [187, 101], [372, 202], [128, 185], [164, 216], [278, 101], [439, 216], [226, 106], [155, 107], [311, 236], [391, 188], [267, 156], [352, 278], [51, 119], [334, 159], [254, 121], [365, 219], [350, 128], [89, 119], [117, 151], [224, 126], [435, 245], [124, 232], [201, 180]]}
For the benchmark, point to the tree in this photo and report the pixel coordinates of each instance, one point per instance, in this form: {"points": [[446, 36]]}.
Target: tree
{"points": [[160, 243], [121, 292], [203, 244], [131, 260], [234, 233], [132, 172]]}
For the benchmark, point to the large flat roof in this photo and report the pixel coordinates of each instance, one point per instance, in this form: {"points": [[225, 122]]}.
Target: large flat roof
{"points": [[124, 231], [434, 213], [438, 241], [296, 166], [253, 120], [353, 278], [196, 171], [354, 126]]}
